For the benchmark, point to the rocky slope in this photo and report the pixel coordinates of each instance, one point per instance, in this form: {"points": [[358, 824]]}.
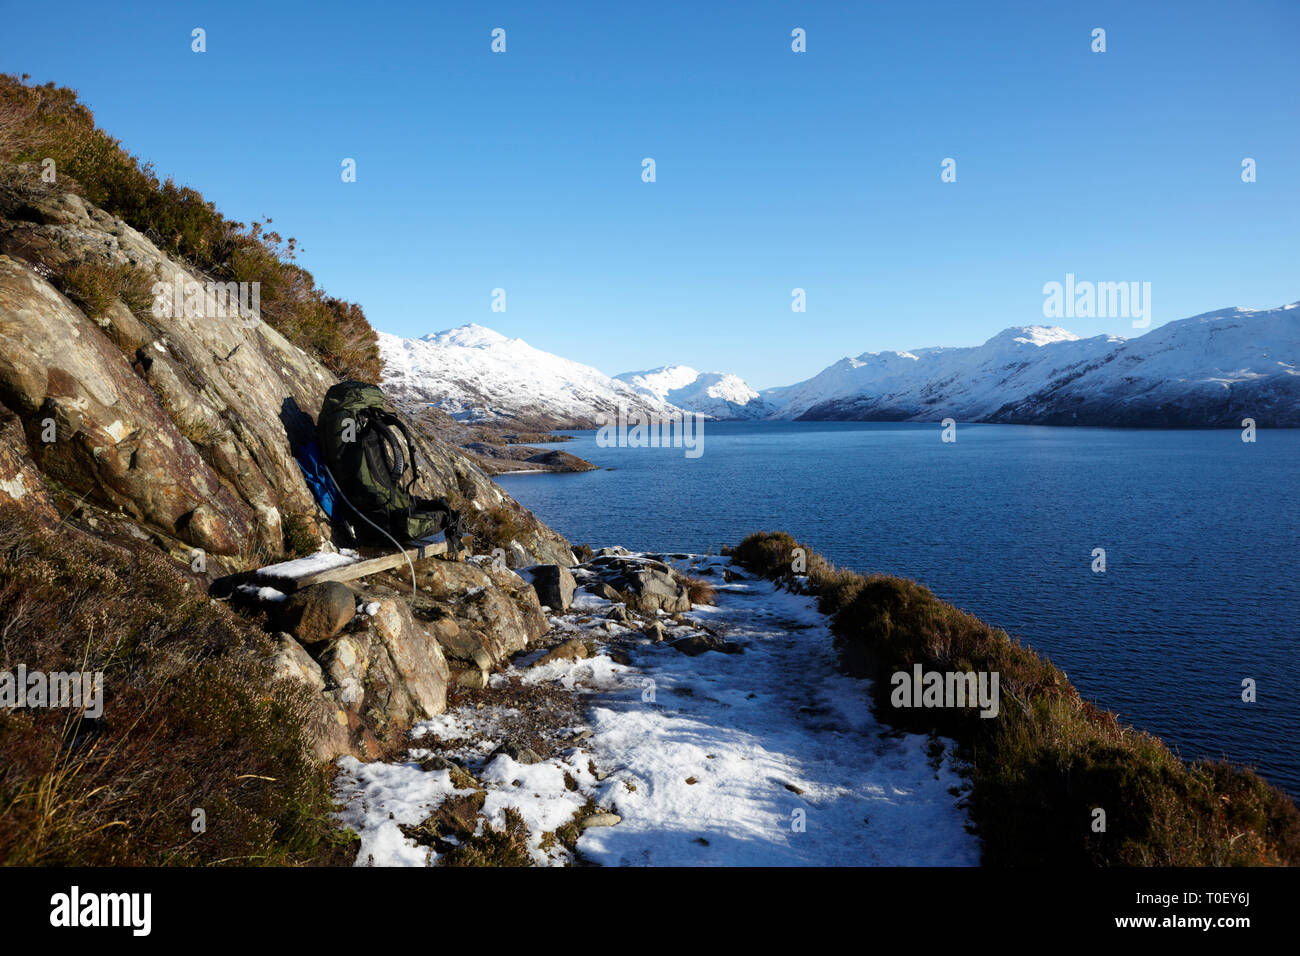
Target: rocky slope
{"points": [[176, 433]]}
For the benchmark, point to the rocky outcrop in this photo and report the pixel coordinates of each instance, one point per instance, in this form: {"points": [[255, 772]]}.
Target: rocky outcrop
{"points": [[182, 424], [381, 675], [179, 430], [21, 482], [480, 613], [496, 459], [648, 585]]}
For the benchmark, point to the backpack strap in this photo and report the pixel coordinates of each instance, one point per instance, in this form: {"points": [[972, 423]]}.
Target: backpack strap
{"points": [[390, 419], [378, 436]]}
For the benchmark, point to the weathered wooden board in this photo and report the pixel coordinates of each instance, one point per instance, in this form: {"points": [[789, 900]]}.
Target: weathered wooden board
{"points": [[274, 577]]}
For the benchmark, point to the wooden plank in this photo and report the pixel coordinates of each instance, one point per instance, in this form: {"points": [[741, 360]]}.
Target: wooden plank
{"points": [[350, 571], [359, 569]]}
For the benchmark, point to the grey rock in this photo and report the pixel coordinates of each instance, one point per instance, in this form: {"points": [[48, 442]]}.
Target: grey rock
{"points": [[697, 644], [517, 752], [601, 589]]}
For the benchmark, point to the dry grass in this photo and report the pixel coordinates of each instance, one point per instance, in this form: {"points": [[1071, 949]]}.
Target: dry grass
{"points": [[507, 846], [191, 719], [95, 286], [700, 591]]}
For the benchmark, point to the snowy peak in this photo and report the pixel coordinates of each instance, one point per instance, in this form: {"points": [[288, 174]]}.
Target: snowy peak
{"points": [[661, 381], [717, 394], [477, 374], [469, 336], [1037, 335]]}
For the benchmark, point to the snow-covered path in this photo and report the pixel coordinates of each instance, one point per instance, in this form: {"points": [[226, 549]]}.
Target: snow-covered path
{"points": [[770, 757]]}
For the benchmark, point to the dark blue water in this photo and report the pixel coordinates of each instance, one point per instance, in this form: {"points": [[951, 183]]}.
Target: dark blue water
{"points": [[1201, 532]]}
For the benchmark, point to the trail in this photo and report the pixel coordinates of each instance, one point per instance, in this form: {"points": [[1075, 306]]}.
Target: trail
{"points": [[769, 757]]}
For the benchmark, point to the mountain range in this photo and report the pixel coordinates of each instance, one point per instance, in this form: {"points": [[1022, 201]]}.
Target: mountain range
{"points": [[1209, 370]]}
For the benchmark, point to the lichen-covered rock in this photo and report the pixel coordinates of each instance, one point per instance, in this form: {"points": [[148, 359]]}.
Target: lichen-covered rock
{"points": [[21, 482], [496, 612], [417, 661]]}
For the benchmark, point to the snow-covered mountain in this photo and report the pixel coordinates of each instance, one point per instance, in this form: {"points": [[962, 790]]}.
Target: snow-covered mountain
{"points": [[475, 374], [718, 394], [1208, 370]]}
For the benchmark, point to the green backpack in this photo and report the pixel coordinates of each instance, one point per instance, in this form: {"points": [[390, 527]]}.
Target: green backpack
{"points": [[368, 451]]}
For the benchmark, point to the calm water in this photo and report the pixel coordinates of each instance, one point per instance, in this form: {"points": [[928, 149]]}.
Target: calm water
{"points": [[1200, 529]]}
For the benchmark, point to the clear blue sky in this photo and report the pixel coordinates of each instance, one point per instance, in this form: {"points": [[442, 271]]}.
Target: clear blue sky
{"points": [[819, 170]]}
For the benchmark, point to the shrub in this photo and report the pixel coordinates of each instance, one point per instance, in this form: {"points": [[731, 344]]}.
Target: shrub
{"points": [[300, 539], [507, 846], [192, 719], [494, 527], [94, 286], [1050, 758], [700, 591]]}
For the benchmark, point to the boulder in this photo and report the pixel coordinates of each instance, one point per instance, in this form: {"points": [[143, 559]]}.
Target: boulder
{"points": [[292, 662], [649, 585], [554, 585], [697, 644], [652, 590], [517, 752], [417, 688], [601, 589], [318, 612]]}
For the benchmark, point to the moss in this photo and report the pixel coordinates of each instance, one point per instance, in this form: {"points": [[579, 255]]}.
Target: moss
{"points": [[299, 538]]}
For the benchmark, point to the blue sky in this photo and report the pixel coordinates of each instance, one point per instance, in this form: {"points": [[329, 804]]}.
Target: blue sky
{"points": [[775, 170]]}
